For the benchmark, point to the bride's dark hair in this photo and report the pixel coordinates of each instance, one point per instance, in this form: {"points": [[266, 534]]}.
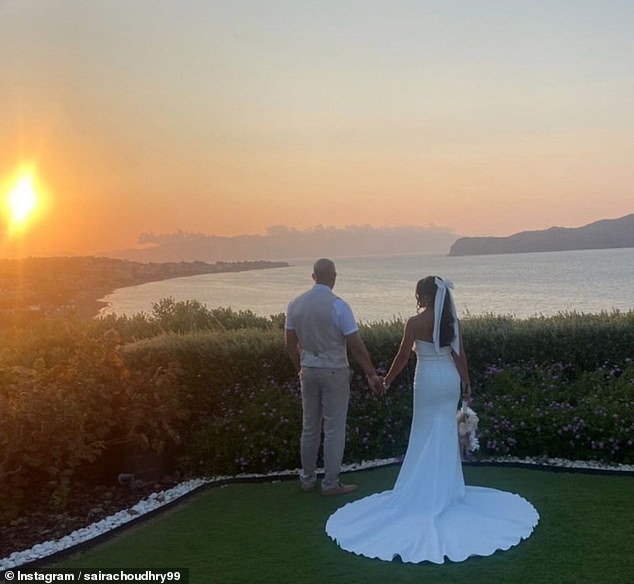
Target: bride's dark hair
{"points": [[427, 288]]}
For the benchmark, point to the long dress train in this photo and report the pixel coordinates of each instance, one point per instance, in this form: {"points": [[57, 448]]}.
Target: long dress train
{"points": [[430, 514]]}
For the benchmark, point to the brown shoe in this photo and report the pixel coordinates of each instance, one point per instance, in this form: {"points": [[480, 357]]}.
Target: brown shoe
{"points": [[307, 487], [340, 489]]}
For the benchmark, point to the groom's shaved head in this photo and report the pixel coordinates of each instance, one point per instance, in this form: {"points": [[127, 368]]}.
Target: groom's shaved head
{"points": [[324, 272]]}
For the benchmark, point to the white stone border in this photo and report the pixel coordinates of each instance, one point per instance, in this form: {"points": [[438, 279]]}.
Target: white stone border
{"points": [[560, 463], [162, 498]]}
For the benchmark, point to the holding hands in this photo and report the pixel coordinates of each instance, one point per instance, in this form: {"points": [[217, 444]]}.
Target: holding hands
{"points": [[376, 383]]}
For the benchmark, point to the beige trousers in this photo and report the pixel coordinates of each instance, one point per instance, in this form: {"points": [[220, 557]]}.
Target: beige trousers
{"points": [[325, 396]]}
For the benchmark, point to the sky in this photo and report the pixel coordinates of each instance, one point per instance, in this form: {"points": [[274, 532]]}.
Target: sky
{"points": [[227, 118]]}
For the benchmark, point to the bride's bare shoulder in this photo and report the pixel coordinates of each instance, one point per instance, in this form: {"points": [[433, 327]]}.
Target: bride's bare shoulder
{"points": [[421, 325], [418, 322], [414, 320]]}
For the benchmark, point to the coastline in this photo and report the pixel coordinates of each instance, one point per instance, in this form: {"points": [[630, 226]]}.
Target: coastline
{"points": [[90, 303], [37, 287]]}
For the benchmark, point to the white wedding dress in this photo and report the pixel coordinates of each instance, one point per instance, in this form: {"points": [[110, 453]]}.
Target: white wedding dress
{"points": [[430, 514]]}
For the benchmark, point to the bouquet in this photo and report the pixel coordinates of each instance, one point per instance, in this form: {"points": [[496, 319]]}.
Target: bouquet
{"points": [[467, 430]]}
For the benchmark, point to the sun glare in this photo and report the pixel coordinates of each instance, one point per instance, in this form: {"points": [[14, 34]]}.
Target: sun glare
{"points": [[22, 200]]}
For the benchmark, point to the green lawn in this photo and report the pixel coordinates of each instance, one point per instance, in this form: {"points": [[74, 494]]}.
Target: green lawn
{"points": [[274, 533]]}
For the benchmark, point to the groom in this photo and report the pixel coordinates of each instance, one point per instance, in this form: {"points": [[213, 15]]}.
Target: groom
{"points": [[320, 327]]}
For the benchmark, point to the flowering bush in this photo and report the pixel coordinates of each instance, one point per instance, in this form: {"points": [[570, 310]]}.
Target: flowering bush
{"points": [[254, 429], [378, 426], [532, 409]]}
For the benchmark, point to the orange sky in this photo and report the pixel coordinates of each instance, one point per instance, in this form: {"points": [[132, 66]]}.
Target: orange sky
{"points": [[225, 120]]}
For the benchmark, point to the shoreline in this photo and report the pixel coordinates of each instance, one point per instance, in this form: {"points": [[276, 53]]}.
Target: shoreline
{"points": [[92, 304], [40, 287], [91, 307]]}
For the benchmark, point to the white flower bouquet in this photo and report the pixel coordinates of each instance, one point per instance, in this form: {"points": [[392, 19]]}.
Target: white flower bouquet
{"points": [[467, 430]]}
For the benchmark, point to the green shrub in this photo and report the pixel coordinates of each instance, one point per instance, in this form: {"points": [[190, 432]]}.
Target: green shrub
{"points": [[57, 421], [535, 410], [378, 426], [255, 429], [583, 341], [191, 315]]}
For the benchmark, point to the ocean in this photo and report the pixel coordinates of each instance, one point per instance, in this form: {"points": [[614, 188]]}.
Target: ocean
{"points": [[382, 288]]}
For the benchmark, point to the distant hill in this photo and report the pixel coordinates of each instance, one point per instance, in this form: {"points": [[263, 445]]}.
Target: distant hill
{"points": [[282, 242], [604, 234]]}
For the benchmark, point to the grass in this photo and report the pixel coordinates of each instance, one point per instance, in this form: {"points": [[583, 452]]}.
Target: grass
{"points": [[273, 533]]}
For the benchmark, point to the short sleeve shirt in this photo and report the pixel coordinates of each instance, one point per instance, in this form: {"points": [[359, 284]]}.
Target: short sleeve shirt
{"points": [[342, 317]]}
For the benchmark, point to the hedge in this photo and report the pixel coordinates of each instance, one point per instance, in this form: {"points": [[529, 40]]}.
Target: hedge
{"points": [[215, 393]]}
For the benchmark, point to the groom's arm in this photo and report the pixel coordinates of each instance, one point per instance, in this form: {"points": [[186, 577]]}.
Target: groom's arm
{"points": [[360, 353], [362, 357], [291, 343], [347, 325]]}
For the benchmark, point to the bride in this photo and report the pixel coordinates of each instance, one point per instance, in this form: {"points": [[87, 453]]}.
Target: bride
{"points": [[430, 514]]}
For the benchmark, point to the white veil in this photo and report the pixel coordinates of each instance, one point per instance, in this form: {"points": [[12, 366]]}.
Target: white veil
{"points": [[443, 288]]}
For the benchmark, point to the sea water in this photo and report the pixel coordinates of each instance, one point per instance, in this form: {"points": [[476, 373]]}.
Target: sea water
{"points": [[382, 288]]}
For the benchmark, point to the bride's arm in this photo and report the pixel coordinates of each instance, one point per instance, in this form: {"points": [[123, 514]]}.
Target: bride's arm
{"points": [[403, 354], [462, 367]]}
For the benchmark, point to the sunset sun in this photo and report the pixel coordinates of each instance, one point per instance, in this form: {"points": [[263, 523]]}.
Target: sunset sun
{"points": [[22, 201]]}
